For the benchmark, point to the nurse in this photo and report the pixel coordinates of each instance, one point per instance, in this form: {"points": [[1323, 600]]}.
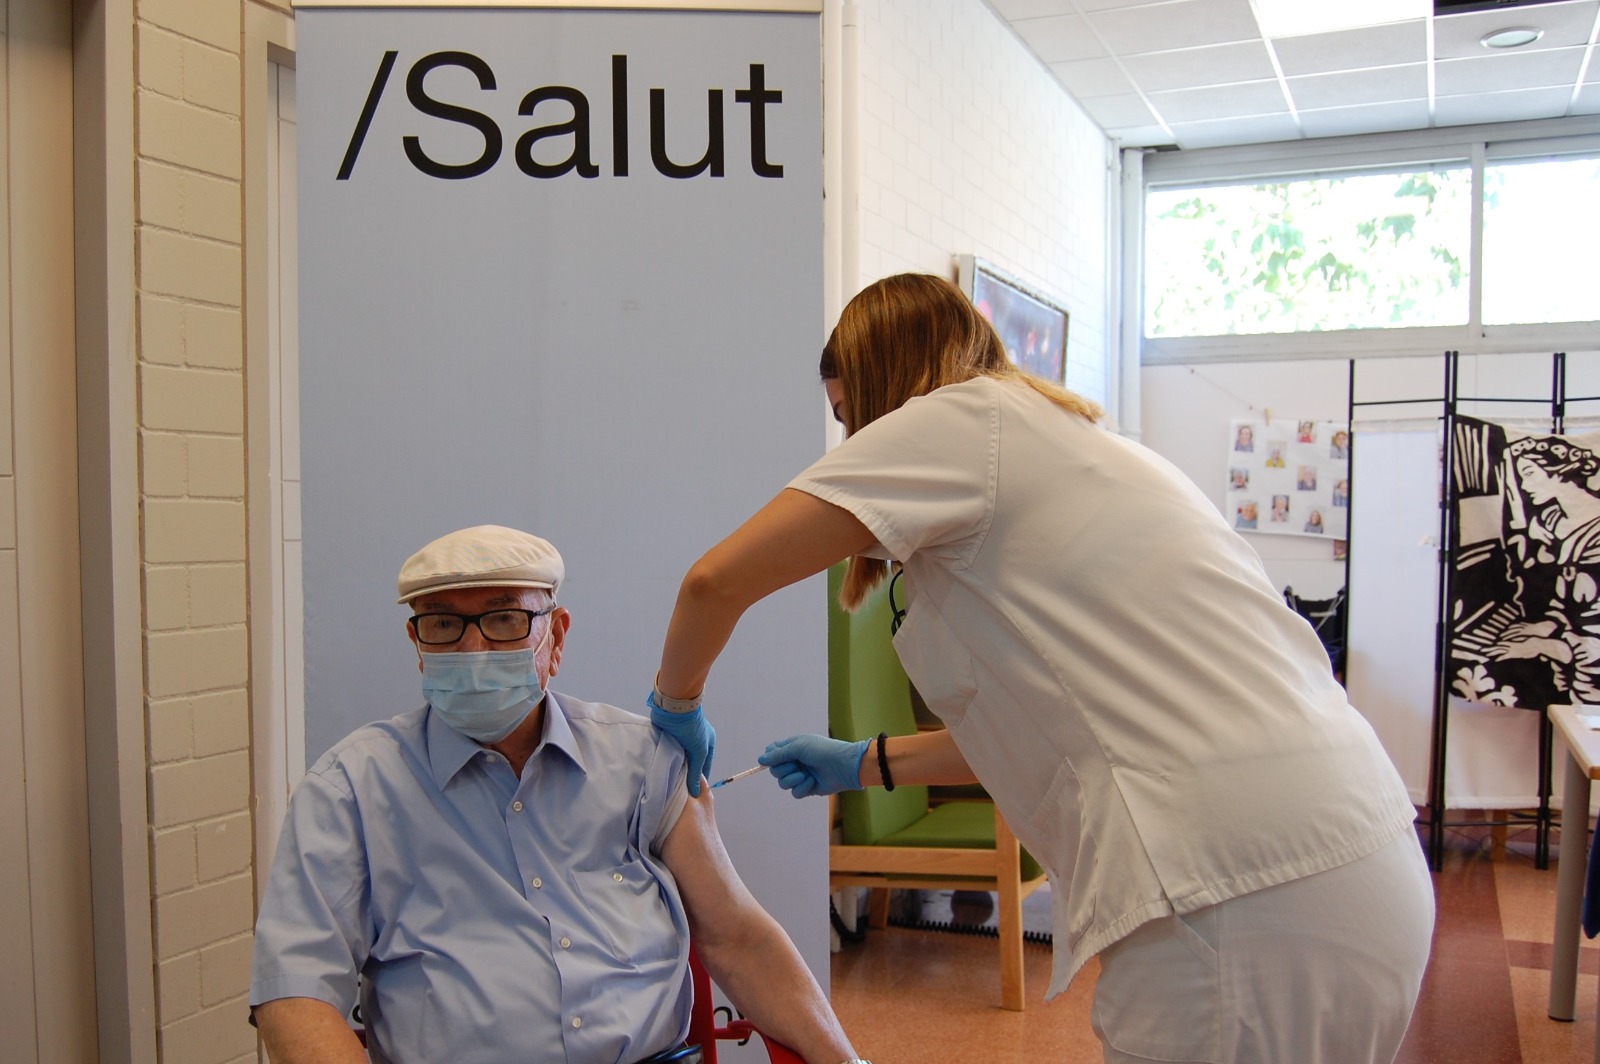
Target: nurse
{"points": [[1110, 660]]}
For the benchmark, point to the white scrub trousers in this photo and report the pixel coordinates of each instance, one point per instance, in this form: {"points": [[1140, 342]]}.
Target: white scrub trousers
{"points": [[1319, 970]]}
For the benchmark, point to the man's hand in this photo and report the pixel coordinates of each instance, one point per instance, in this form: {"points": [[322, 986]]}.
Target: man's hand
{"points": [[805, 765], [693, 732]]}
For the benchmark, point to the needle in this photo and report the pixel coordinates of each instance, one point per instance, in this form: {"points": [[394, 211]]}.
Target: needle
{"points": [[739, 775]]}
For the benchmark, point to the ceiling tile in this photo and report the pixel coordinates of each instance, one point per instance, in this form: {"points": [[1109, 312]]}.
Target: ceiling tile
{"points": [[1112, 5], [1216, 64], [1015, 9], [1371, 118], [1220, 101], [1255, 130], [1184, 24], [1511, 70], [1088, 78], [1564, 25], [1115, 111], [1360, 86], [1501, 106], [1141, 136], [1146, 69], [1374, 46], [1060, 38]]}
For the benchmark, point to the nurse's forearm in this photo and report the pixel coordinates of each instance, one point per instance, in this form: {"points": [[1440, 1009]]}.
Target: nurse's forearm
{"points": [[792, 537], [702, 621], [927, 758]]}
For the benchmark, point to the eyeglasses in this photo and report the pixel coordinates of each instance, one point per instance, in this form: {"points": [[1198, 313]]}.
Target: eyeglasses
{"points": [[896, 615], [497, 626]]}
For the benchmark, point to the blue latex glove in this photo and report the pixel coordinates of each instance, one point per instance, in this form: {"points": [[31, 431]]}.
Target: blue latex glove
{"points": [[693, 732], [814, 764]]}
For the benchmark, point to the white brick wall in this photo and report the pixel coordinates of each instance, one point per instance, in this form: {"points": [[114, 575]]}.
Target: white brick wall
{"points": [[968, 145], [178, 333], [188, 201], [192, 469], [179, 132]]}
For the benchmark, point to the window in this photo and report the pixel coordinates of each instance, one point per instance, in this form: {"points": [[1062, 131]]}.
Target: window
{"points": [[1367, 246], [1373, 250], [1540, 234]]}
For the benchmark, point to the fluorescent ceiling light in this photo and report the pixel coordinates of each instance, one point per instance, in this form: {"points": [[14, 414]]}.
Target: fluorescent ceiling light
{"points": [[1291, 18]]}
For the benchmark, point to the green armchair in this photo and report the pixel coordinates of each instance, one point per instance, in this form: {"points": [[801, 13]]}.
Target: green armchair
{"points": [[898, 838]]}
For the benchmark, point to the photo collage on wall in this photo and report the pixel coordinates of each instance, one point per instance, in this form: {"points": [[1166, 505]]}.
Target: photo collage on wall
{"points": [[1289, 478]]}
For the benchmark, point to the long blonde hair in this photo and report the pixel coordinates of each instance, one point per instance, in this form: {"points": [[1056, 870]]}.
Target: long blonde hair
{"points": [[905, 336]]}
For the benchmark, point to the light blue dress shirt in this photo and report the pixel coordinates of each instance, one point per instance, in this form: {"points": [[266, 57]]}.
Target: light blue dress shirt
{"points": [[489, 918]]}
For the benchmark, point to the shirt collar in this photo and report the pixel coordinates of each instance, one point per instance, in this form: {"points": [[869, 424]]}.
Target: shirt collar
{"points": [[449, 750]]}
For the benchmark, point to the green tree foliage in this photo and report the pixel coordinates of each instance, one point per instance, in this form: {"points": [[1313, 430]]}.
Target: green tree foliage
{"points": [[1309, 255]]}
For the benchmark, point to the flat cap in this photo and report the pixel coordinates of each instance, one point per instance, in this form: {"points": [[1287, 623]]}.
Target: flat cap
{"points": [[481, 556]]}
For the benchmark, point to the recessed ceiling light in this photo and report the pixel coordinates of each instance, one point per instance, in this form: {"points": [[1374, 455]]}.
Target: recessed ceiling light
{"points": [[1511, 37]]}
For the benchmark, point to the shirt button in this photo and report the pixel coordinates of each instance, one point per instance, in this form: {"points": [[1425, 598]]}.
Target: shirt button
{"points": [[538, 884], [566, 943], [516, 807], [577, 1021], [490, 758], [617, 876]]}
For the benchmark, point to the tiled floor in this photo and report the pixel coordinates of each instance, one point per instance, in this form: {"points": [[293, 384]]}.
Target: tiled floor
{"points": [[929, 997]]}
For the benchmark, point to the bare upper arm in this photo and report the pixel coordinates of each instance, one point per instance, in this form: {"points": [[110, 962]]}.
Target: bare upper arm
{"points": [[717, 902], [790, 538]]}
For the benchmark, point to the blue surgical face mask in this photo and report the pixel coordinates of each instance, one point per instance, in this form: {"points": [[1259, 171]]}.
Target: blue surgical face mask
{"points": [[483, 694]]}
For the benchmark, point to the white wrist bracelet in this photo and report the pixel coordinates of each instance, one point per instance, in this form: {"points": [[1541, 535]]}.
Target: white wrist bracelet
{"points": [[676, 705]]}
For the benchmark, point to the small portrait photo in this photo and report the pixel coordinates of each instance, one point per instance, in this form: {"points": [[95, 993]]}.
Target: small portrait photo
{"points": [[1314, 522], [1275, 451], [1308, 432], [1238, 479], [1244, 439], [1341, 549], [1280, 508], [1339, 446], [1306, 479], [1341, 493], [1245, 515]]}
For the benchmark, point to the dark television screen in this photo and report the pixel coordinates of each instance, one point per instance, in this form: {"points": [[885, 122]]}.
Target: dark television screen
{"points": [[1033, 330]]}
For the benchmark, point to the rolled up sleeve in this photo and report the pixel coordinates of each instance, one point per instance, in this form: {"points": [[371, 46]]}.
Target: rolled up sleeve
{"points": [[313, 933]]}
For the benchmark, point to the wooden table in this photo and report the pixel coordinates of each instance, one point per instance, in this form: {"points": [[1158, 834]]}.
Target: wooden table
{"points": [[1583, 766]]}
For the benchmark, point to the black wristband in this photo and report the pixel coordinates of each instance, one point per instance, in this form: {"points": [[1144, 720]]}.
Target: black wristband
{"points": [[883, 762]]}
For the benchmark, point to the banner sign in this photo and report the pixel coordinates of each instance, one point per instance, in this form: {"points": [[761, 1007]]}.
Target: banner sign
{"points": [[562, 270]]}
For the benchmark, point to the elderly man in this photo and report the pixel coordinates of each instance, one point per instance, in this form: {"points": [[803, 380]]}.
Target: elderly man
{"points": [[512, 874]]}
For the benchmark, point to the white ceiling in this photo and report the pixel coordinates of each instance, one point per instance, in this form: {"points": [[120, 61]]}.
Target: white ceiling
{"points": [[1199, 73]]}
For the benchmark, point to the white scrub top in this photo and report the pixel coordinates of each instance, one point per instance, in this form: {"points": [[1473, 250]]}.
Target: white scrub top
{"points": [[1161, 731]]}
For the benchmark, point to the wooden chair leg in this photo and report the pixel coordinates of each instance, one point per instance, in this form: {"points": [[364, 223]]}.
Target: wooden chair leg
{"points": [[1009, 854], [878, 908]]}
